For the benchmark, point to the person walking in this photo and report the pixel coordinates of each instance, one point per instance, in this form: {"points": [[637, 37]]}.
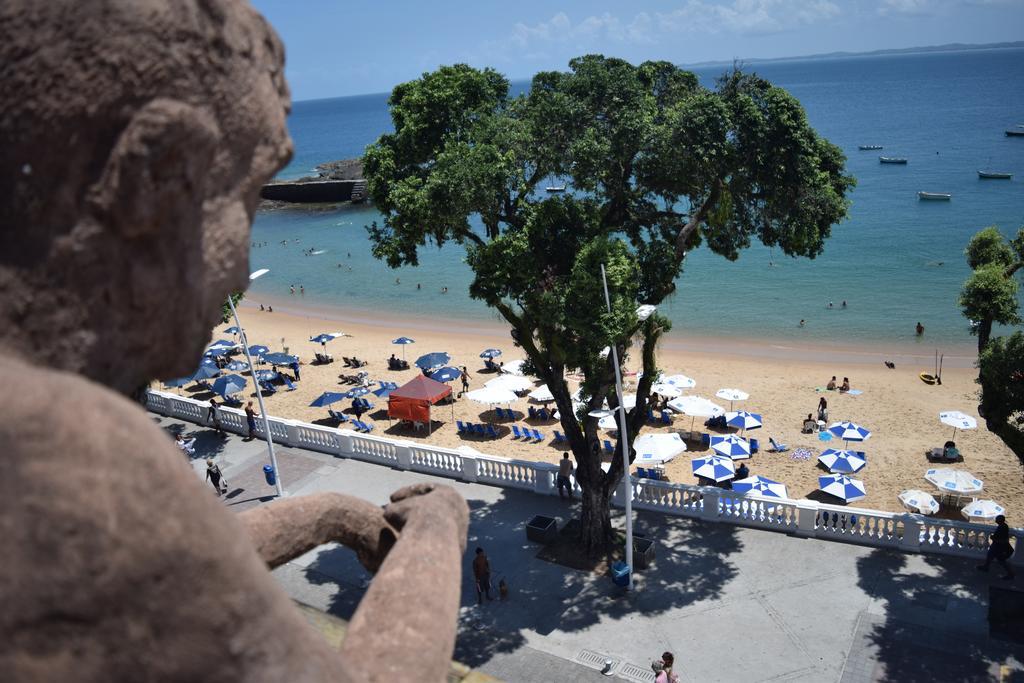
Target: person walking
{"points": [[465, 380], [214, 476], [250, 419], [482, 575], [213, 416], [564, 472], [823, 409], [1000, 549], [294, 365], [669, 661]]}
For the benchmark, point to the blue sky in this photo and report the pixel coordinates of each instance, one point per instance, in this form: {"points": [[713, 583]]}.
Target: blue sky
{"points": [[345, 48]]}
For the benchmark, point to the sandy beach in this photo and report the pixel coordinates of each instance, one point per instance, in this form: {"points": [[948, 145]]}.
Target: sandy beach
{"points": [[899, 409]]}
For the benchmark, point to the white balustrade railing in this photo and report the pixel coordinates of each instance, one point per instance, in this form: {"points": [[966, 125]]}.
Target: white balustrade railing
{"points": [[904, 531]]}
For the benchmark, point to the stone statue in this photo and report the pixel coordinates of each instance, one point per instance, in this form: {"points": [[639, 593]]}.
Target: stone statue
{"points": [[134, 138]]}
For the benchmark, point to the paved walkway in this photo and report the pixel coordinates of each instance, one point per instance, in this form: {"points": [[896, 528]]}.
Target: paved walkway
{"points": [[733, 604]]}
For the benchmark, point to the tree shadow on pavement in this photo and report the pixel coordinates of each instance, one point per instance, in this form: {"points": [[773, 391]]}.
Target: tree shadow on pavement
{"points": [[935, 622]]}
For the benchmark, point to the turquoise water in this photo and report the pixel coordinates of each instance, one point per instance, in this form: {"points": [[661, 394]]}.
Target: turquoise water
{"points": [[896, 260]]}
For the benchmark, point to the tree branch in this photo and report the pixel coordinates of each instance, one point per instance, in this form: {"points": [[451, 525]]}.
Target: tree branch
{"points": [[683, 238]]}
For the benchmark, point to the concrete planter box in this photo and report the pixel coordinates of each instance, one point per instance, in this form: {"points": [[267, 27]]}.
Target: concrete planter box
{"points": [[643, 553], [542, 529]]}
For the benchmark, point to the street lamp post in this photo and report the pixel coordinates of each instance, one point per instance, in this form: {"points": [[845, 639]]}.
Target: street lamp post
{"points": [[259, 394], [627, 488]]}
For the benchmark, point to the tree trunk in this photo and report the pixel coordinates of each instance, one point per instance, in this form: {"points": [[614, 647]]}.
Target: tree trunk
{"points": [[984, 333], [595, 520]]}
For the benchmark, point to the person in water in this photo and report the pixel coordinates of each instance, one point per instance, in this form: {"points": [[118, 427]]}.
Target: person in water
{"points": [[920, 329]]}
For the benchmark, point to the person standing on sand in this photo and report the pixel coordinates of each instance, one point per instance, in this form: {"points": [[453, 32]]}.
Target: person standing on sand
{"points": [[482, 576], [465, 380], [823, 409], [250, 419]]}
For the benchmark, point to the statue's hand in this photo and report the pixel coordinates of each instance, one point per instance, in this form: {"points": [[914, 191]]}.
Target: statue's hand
{"points": [[423, 505]]}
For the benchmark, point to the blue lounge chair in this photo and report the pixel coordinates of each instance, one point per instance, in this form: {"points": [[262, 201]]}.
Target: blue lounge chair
{"points": [[533, 413], [776, 446], [559, 437], [666, 417], [705, 440], [516, 433], [754, 446], [537, 436], [500, 413], [462, 427], [491, 432], [543, 414], [479, 430], [288, 383], [268, 388], [608, 447], [650, 416], [364, 427], [340, 417]]}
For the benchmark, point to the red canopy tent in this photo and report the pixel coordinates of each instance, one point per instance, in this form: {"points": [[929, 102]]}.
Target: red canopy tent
{"points": [[412, 401]]}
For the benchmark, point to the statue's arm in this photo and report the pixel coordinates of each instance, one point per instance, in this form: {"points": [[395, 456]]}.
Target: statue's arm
{"points": [[287, 528]]}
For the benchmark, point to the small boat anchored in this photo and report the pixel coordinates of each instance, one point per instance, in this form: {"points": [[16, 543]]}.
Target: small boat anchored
{"points": [[936, 196], [994, 175], [555, 188], [1015, 132], [892, 160], [867, 147]]}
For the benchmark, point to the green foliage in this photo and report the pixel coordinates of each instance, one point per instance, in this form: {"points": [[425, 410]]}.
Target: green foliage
{"points": [[989, 295], [1001, 375], [225, 310], [988, 247]]}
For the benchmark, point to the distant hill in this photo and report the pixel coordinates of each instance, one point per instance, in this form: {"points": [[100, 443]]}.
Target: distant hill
{"points": [[951, 47]]}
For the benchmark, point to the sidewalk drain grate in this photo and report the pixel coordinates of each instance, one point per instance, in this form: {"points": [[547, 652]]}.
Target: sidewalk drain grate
{"points": [[595, 660], [632, 672]]}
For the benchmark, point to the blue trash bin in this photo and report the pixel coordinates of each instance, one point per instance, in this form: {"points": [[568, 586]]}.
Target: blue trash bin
{"points": [[620, 573], [269, 475]]}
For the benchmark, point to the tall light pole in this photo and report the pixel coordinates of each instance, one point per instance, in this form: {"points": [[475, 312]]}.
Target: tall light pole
{"points": [[259, 394], [627, 488]]}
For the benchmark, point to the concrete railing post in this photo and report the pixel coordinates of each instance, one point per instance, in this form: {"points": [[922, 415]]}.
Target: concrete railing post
{"points": [[806, 513], [404, 455], [292, 431], [544, 479], [911, 541], [710, 496], [469, 467]]}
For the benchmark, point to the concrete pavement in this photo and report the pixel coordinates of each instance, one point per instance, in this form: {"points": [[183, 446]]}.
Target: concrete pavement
{"points": [[733, 604]]}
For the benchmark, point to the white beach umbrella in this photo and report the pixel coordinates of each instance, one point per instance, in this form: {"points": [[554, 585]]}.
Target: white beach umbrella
{"points": [[657, 448], [983, 509], [510, 382], [957, 420], [732, 395], [491, 396], [681, 381], [919, 501], [609, 422], [666, 390], [629, 401], [954, 481], [696, 406], [542, 394], [514, 367]]}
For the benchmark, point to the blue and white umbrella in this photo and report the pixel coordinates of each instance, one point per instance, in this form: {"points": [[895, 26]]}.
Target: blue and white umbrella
{"points": [[446, 374], [732, 395], [217, 350], [238, 366], [762, 486], [229, 384], [325, 337], [223, 343], [232, 330], [743, 420], [846, 462], [983, 509], [326, 399], [178, 381], [731, 446], [714, 467], [357, 392], [681, 381], [266, 375], [842, 486], [430, 361], [280, 358], [849, 431], [258, 350], [490, 353], [957, 420], [384, 391], [205, 371], [919, 501], [954, 481], [403, 341]]}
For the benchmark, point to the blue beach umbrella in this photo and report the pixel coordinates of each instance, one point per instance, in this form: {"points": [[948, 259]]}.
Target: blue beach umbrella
{"points": [[280, 358], [258, 350], [849, 431], [731, 446], [383, 392], [177, 382], [217, 350], [357, 392], [741, 419], [490, 353], [841, 486], [326, 399], [205, 371], [403, 341], [222, 343], [762, 486], [846, 462], [715, 467], [237, 366], [232, 330], [325, 337], [446, 374], [229, 384], [430, 361], [266, 375]]}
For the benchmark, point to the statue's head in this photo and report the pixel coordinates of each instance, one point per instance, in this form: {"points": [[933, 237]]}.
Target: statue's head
{"points": [[134, 138]]}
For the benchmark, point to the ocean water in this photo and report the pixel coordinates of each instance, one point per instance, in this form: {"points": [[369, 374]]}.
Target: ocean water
{"points": [[895, 260]]}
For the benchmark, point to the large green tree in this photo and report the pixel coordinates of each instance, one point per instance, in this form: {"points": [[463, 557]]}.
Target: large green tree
{"points": [[989, 295], [1001, 375], [656, 165]]}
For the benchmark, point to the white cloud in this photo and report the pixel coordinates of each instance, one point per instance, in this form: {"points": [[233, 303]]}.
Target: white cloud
{"points": [[904, 7], [592, 29], [746, 16]]}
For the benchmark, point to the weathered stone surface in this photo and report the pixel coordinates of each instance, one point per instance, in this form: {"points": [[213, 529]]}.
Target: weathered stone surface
{"points": [[134, 138]]}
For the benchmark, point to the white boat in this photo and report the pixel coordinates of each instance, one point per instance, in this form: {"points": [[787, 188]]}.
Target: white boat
{"points": [[866, 147], [994, 175], [555, 188], [892, 160], [939, 196]]}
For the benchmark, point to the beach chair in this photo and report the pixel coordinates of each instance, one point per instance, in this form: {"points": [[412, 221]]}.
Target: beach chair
{"points": [[537, 436], [754, 446], [650, 416], [232, 401], [705, 440], [340, 417], [516, 434], [608, 447], [533, 413], [543, 414], [478, 429], [268, 388], [462, 427], [368, 427], [666, 417], [559, 437], [288, 383], [491, 432], [776, 446]]}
